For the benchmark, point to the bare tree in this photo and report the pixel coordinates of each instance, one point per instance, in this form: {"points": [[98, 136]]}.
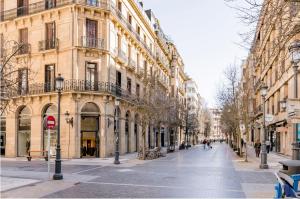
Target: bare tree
{"points": [[263, 16], [14, 71], [227, 97]]}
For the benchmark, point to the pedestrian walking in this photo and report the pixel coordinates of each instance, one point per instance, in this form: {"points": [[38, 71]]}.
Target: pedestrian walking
{"points": [[268, 145], [204, 144], [257, 146], [208, 145]]}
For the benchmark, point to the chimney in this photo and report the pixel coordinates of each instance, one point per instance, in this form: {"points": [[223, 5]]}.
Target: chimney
{"points": [[141, 3]]}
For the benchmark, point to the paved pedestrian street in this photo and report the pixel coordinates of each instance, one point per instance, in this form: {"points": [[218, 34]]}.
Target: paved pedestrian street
{"points": [[214, 173]]}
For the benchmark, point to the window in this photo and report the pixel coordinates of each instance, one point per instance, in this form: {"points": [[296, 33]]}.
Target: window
{"points": [[92, 2], [120, 6], [129, 85], [49, 78], [91, 33], [23, 81], [23, 40], [138, 29], [138, 59], [145, 66], [130, 19], [1, 10], [91, 79], [137, 90], [50, 36], [22, 7], [119, 79], [118, 82], [50, 4]]}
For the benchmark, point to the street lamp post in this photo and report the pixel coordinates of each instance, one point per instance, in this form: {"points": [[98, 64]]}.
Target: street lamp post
{"points": [[263, 162], [58, 175], [295, 53], [117, 154]]}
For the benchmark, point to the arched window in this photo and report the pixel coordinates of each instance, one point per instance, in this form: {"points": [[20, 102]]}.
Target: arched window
{"points": [[24, 131], [50, 109], [90, 109]]}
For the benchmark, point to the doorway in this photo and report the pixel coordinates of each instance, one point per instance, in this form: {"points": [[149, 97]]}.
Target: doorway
{"points": [[89, 132], [88, 144]]}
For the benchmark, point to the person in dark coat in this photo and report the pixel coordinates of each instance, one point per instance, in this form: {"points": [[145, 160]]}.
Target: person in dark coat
{"points": [[257, 146]]}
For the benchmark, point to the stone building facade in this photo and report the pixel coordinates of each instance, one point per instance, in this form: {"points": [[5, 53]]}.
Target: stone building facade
{"points": [[106, 50], [269, 63]]}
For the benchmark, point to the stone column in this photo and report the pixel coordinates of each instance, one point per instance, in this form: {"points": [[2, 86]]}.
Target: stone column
{"points": [[11, 135]]}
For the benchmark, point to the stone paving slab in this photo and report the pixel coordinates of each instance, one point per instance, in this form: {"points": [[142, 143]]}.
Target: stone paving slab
{"points": [[8, 183], [38, 190], [252, 190]]}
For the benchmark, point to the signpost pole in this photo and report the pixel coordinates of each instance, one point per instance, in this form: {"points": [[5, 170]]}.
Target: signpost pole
{"points": [[50, 124], [49, 153]]}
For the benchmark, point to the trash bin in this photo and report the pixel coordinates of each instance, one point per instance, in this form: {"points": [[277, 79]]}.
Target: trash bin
{"points": [[288, 180]]}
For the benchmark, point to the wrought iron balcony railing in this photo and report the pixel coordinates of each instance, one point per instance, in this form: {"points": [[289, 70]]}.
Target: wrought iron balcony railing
{"points": [[131, 64], [47, 5], [121, 55], [77, 86], [24, 48], [90, 42], [51, 4], [140, 72], [48, 44]]}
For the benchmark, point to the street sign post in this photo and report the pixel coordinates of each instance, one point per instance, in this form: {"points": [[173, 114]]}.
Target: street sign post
{"points": [[298, 131], [50, 124]]}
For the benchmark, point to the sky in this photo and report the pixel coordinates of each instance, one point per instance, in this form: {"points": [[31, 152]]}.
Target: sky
{"points": [[206, 35]]}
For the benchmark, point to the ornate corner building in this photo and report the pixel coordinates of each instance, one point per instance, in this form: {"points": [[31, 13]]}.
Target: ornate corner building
{"points": [[105, 50]]}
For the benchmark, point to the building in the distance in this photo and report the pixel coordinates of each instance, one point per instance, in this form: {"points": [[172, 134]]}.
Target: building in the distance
{"points": [[193, 101], [215, 129]]}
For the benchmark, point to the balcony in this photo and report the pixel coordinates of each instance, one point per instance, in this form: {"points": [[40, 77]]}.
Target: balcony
{"points": [[127, 25], [140, 72], [131, 65], [81, 86], [121, 56], [90, 42], [22, 49], [47, 5], [162, 60], [48, 44]]}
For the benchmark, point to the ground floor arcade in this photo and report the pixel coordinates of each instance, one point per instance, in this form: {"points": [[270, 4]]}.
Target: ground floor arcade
{"points": [[92, 132]]}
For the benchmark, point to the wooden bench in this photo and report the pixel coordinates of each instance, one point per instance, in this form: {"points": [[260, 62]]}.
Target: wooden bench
{"points": [[37, 154]]}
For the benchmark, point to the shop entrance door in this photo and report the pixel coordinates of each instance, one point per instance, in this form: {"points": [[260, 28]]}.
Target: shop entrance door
{"points": [[89, 137], [88, 144]]}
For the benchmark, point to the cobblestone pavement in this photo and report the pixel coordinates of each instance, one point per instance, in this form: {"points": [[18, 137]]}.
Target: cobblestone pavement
{"points": [[197, 173]]}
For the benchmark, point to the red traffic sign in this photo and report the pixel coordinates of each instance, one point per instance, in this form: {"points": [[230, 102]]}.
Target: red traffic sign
{"points": [[50, 122]]}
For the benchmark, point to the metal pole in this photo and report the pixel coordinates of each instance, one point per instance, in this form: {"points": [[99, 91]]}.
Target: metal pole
{"points": [[48, 152], [263, 163], [117, 136], [295, 147], [58, 175]]}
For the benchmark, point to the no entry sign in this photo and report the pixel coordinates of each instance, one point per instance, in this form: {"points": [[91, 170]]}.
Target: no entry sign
{"points": [[50, 122]]}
